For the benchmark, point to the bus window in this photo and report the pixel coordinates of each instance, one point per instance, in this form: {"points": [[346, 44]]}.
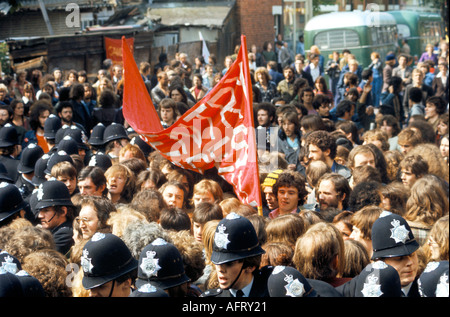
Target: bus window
{"points": [[374, 35], [337, 39], [403, 30]]}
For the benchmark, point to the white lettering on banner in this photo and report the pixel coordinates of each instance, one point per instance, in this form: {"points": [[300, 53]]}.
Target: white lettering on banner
{"points": [[195, 113]]}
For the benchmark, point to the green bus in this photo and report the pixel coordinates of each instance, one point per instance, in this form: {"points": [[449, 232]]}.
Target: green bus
{"points": [[419, 28], [361, 32]]}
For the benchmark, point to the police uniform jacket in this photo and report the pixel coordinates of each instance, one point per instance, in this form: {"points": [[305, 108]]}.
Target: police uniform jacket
{"points": [[63, 237], [11, 165], [25, 187], [259, 287]]}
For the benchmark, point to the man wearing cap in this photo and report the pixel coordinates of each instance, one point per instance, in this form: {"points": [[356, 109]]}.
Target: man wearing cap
{"points": [[28, 160], [393, 242], [291, 193], [56, 213], [267, 189], [237, 256], [109, 268]]}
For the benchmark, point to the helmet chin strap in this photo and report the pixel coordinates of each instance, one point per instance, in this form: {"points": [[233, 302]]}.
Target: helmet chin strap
{"points": [[112, 288], [235, 280]]}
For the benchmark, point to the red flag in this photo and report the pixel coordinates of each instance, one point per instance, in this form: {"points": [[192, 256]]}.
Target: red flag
{"points": [[217, 131], [138, 108]]}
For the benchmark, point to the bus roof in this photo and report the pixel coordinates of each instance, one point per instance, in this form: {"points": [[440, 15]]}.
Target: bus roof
{"points": [[414, 16], [339, 20]]}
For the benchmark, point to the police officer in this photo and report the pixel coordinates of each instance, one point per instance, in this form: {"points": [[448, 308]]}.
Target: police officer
{"points": [[393, 242], [28, 160], [39, 170], [286, 281], [237, 256], [101, 160], [433, 282], [12, 205], [56, 212], [115, 137], [10, 150], [4, 174], [68, 145], [80, 137], [56, 158], [108, 266], [51, 126], [377, 279], [96, 139], [161, 265]]}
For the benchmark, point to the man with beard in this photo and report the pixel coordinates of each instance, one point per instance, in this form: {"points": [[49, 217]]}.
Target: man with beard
{"points": [[286, 86], [333, 191], [322, 146], [266, 132], [64, 110]]}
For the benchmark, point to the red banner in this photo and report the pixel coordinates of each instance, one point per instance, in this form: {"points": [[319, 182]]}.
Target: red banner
{"points": [[218, 131], [138, 108], [113, 48]]}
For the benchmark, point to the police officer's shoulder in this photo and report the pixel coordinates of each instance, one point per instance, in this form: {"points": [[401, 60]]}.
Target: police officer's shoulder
{"points": [[212, 292]]}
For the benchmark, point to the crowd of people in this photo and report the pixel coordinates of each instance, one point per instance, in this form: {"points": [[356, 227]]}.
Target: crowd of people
{"points": [[353, 163]]}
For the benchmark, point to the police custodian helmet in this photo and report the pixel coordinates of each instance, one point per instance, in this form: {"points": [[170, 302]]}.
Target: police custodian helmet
{"points": [[105, 257], [161, 265], [392, 237], [235, 239], [11, 200]]}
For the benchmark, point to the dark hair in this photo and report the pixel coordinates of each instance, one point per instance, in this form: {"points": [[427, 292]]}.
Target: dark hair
{"points": [[108, 99], [77, 92], [269, 107], [439, 102], [392, 122], [292, 179], [312, 122], [95, 173], [300, 83], [364, 194], [341, 186], [344, 106], [36, 110], [396, 82], [323, 140], [174, 219], [366, 73], [319, 100], [205, 212], [415, 94]]}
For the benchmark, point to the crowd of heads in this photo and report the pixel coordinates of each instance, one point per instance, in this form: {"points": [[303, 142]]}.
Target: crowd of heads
{"points": [[353, 181]]}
